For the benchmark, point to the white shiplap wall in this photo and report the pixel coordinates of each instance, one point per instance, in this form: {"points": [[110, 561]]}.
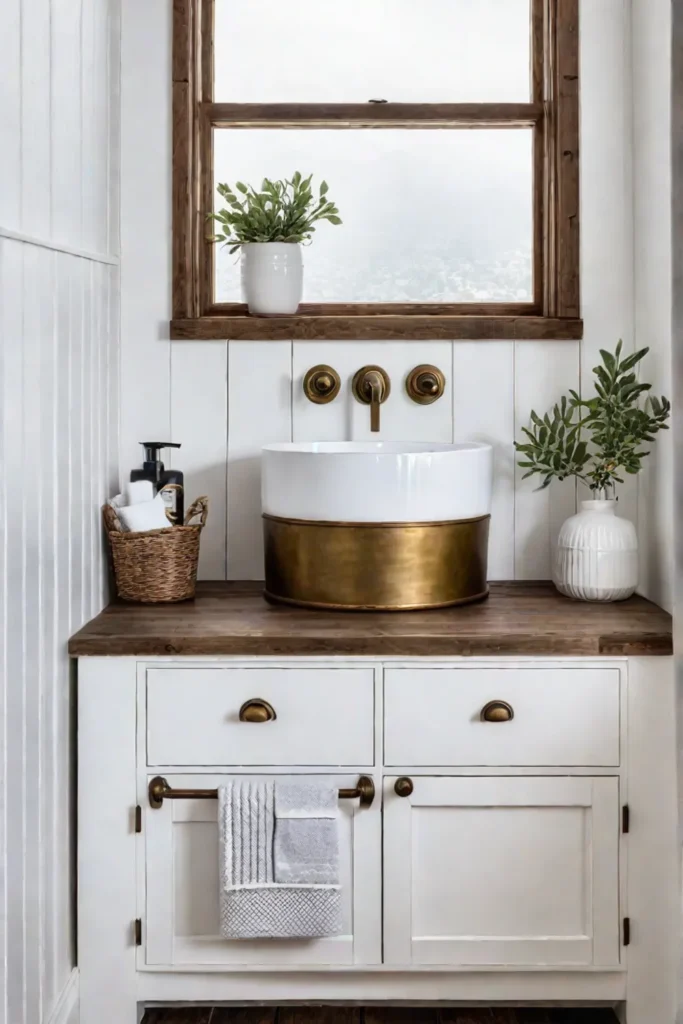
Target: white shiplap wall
{"points": [[652, 113], [224, 400], [59, 414]]}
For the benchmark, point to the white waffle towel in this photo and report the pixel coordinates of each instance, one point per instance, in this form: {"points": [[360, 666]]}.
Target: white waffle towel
{"points": [[254, 902]]}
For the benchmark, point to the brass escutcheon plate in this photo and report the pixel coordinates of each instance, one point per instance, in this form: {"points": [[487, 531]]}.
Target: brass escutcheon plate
{"points": [[425, 384], [321, 384], [359, 392]]}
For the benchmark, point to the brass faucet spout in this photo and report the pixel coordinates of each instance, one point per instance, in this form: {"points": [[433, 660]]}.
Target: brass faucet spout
{"points": [[371, 385], [376, 385]]}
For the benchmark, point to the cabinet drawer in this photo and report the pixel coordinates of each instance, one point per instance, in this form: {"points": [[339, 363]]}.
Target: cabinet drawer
{"points": [[561, 716], [323, 716]]}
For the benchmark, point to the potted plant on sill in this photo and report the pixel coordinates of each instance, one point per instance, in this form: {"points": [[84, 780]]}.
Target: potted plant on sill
{"points": [[596, 440], [269, 227]]}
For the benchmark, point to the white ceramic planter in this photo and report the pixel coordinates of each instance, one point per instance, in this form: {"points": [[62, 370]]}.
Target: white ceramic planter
{"points": [[597, 554], [272, 277]]}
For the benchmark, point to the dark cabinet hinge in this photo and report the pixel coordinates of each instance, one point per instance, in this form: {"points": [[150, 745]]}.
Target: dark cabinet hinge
{"points": [[138, 818], [137, 928], [625, 819], [627, 931]]}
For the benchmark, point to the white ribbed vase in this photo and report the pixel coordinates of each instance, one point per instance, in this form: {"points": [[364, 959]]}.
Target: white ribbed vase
{"points": [[272, 277], [597, 555]]}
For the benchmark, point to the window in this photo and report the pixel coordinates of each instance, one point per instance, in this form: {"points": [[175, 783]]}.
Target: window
{"points": [[448, 133]]}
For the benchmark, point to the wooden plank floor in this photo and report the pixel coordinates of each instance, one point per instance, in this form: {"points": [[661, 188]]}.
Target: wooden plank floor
{"points": [[373, 1015]]}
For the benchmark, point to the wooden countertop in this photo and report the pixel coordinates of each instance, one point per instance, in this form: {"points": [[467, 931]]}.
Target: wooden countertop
{"points": [[517, 619]]}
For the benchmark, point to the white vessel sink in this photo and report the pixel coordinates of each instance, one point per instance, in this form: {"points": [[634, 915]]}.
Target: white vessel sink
{"points": [[376, 481]]}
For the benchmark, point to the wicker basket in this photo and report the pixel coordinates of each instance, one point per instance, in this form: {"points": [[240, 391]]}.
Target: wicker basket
{"points": [[156, 565]]}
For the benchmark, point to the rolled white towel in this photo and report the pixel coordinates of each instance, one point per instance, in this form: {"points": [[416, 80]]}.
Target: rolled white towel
{"points": [[146, 515], [139, 490]]}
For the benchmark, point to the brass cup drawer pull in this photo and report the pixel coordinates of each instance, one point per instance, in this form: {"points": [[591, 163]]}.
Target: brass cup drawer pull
{"points": [[257, 710], [403, 786], [497, 711]]}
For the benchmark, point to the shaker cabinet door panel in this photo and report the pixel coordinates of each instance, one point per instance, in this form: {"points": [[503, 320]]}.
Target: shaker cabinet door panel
{"points": [[502, 871], [181, 901]]}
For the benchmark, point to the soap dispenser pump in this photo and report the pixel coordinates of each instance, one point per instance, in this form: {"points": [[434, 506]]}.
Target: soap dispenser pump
{"points": [[167, 482]]}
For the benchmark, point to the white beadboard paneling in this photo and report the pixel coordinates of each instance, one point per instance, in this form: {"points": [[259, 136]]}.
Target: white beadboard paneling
{"points": [[483, 410], [95, 152], [607, 253], [49, 640], [113, 381], [36, 268], [75, 427], [92, 156], [62, 620], [201, 368], [541, 378], [146, 227], [347, 419], [10, 116], [259, 412], [59, 450], [113, 118], [4, 944], [14, 581], [65, 69], [35, 117]]}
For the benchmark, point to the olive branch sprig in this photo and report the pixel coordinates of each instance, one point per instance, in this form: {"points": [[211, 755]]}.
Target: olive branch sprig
{"points": [[280, 211], [596, 439]]}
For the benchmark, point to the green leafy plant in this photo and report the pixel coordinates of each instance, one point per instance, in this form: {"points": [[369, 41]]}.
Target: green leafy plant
{"points": [[282, 211], [596, 439]]}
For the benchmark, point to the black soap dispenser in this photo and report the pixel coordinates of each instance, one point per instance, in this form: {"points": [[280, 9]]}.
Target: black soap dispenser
{"points": [[167, 482]]}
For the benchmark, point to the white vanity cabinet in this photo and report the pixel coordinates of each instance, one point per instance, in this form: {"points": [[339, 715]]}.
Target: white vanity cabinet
{"points": [[520, 846]]}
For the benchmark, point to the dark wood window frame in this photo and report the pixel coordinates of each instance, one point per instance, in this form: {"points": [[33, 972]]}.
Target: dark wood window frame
{"points": [[552, 114]]}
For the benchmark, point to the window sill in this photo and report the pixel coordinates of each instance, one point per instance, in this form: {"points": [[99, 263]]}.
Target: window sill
{"points": [[376, 327]]}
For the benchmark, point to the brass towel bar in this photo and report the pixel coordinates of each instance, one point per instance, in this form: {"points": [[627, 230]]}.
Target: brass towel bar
{"points": [[159, 790]]}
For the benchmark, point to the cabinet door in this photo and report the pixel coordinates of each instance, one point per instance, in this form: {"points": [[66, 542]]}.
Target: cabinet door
{"points": [[181, 901], [502, 871]]}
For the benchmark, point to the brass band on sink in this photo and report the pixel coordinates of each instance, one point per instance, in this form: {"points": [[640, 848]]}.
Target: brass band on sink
{"points": [[376, 566]]}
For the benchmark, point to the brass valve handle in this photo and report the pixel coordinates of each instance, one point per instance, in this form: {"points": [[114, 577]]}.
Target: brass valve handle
{"points": [[257, 710], [425, 384], [497, 711], [321, 384], [403, 786]]}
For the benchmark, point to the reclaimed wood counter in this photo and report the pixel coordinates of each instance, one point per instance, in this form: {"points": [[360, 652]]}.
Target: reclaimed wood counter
{"points": [[517, 619]]}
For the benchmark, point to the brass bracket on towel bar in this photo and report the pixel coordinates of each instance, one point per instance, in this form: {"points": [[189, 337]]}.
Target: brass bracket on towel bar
{"points": [[159, 790]]}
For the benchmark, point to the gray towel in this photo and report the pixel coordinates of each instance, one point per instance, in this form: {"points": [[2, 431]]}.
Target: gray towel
{"points": [[254, 902], [306, 835]]}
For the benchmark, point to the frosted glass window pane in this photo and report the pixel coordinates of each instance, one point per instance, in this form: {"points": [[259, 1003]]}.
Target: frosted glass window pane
{"points": [[355, 50], [429, 215]]}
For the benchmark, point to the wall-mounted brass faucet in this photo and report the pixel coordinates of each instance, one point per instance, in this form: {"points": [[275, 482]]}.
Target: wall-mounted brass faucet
{"points": [[371, 386]]}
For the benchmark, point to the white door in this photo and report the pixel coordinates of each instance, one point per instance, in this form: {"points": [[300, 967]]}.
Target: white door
{"points": [[181, 900], [502, 871]]}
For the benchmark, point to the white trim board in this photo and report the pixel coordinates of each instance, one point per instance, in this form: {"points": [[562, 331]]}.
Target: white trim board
{"points": [[84, 254], [66, 1010]]}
